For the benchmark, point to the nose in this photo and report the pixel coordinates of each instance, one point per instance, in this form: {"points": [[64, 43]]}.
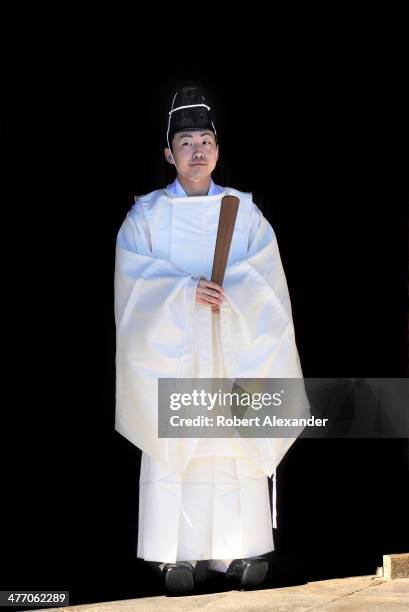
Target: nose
{"points": [[198, 154]]}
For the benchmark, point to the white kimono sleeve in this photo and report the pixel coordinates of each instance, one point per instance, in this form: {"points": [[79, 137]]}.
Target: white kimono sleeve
{"points": [[154, 301], [260, 338]]}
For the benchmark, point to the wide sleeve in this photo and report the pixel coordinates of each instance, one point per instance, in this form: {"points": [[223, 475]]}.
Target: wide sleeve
{"points": [[264, 256], [135, 266], [260, 337], [261, 323], [154, 309]]}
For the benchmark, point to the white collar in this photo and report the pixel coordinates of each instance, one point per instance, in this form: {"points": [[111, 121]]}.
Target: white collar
{"points": [[177, 190]]}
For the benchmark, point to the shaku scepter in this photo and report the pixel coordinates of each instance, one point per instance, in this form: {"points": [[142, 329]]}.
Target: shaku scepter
{"points": [[227, 219]]}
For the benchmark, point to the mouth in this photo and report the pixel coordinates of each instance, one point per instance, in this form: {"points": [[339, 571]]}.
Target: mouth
{"points": [[199, 164]]}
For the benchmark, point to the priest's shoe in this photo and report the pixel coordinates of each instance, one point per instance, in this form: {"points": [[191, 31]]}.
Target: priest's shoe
{"points": [[178, 577], [247, 573]]}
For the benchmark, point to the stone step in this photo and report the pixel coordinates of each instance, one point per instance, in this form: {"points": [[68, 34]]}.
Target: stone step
{"points": [[363, 593], [396, 566]]}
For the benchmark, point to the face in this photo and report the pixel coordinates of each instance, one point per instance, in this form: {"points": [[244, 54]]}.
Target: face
{"points": [[195, 153]]}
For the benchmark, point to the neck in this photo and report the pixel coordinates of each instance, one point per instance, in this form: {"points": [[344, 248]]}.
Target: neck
{"points": [[195, 188]]}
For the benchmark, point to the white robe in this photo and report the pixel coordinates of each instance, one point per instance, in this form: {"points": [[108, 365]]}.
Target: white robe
{"points": [[199, 499]]}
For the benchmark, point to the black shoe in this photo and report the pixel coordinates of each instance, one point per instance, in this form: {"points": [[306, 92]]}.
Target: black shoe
{"points": [[247, 573], [178, 577]]}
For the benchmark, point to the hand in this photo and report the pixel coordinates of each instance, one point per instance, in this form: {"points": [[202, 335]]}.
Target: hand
{"points": [[209, 293]]}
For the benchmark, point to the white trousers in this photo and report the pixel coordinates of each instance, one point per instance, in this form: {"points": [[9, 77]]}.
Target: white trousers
{"points": [[219, 508]]}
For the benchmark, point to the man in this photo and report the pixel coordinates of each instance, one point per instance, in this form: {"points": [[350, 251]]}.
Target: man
{"points": [[201, 499]]}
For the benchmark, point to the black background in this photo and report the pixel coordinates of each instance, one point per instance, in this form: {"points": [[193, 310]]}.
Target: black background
{"points": [[311, 137]]}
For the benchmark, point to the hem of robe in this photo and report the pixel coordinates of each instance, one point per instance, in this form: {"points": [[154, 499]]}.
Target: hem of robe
{"points": [[259, 554]]}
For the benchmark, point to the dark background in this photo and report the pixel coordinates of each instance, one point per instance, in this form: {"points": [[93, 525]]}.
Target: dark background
{"points": [[312, 141]]}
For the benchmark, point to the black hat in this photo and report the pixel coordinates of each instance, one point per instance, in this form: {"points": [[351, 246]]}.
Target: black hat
{"points": [[189, 111]]}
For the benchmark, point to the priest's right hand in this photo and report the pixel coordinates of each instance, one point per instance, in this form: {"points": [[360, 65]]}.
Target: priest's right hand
{"points": [[209, 293]]}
